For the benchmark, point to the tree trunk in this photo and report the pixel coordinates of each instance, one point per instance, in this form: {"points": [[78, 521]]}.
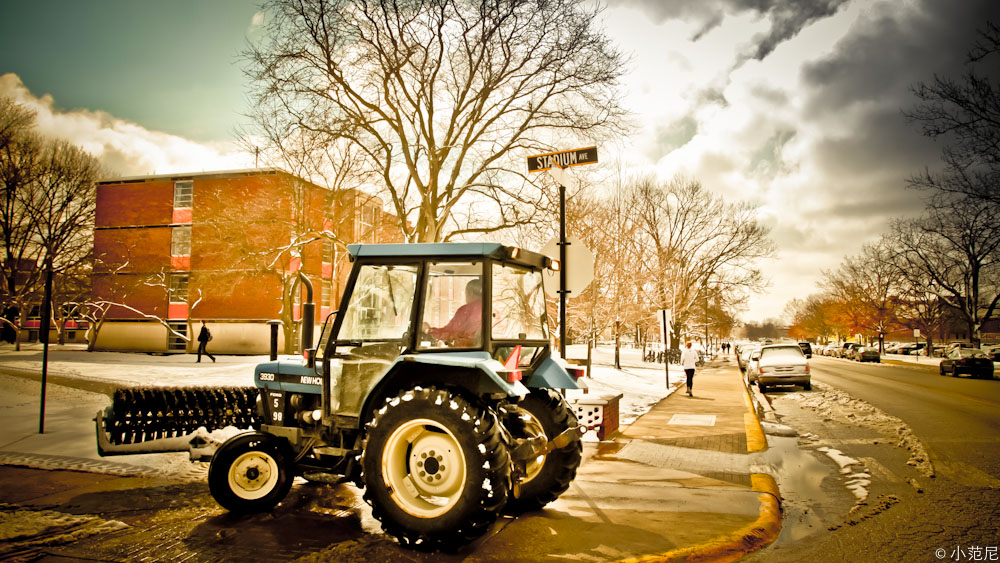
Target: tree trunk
{"points": [[618, 345]]}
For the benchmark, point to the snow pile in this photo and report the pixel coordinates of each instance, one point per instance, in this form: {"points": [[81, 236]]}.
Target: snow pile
{"points": [[858, 482], [836, 405], [22, 528]]}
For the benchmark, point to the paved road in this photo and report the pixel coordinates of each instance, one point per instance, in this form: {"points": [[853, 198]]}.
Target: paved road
{"points": [[908, 516], [957, 419]]}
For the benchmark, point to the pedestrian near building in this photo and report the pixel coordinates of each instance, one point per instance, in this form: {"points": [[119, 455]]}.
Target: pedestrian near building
{"points": [[204, 336], [689, 359]]}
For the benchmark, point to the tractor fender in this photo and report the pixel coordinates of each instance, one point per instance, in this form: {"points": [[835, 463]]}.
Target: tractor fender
{"points": [[475, 371], [553, 375]]}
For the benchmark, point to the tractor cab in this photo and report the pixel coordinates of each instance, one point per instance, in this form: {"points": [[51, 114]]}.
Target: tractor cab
{"points": [[477, 308]]}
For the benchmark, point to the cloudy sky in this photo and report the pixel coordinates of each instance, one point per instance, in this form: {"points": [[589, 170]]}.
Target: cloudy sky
{"points": [[794, 105]]}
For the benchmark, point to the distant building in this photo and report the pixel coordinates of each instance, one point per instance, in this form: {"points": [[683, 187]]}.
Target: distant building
{"points": [[224, 247]]}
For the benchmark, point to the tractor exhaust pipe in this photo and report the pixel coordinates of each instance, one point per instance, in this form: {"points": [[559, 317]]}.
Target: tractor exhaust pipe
{"points": [[308, 321]]}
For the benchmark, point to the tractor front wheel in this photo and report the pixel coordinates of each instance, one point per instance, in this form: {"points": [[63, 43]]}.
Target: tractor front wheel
{"points": [[545, 477], [435, 469], [250, 473]]}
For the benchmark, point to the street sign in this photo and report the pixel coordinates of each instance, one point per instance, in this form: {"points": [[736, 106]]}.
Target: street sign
{"points": [[916, 333], [563, 159], [579, 266]]}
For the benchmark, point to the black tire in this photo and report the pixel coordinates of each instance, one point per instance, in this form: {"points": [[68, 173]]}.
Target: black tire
{"points": [[761, 387], [807, 386], [941, 370], [550, 476], [251, 472], [436, 472]]}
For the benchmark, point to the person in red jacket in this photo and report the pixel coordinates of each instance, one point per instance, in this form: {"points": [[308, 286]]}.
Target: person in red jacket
{"points": [[464, 328]]}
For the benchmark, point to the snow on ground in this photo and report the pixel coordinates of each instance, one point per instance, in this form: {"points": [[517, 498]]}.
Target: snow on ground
{"points": [[641, 384], [69, 427], [838, 405]]}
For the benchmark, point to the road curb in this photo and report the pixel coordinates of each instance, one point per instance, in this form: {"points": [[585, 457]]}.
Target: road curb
{"points": [[756, 440], [749, 538]]}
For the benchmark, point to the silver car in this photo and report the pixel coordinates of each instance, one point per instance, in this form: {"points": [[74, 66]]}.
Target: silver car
{"points": [[782, 364]]}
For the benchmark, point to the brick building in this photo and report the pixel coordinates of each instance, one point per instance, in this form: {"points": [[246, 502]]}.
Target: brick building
{"points": [[224, 247]]}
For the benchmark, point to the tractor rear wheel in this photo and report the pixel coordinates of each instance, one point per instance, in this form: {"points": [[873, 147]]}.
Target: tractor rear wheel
{"points": [[435, 469], [251, 472], [546, 477]]}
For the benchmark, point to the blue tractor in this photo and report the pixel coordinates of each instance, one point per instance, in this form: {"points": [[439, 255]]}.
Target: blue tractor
{"points": [[433, 388]]}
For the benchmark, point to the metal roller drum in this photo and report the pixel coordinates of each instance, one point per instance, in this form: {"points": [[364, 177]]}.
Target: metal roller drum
{"points": [[141, 414]]}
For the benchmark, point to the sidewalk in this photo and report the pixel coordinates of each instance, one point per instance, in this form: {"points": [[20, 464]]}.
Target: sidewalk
{"points": [[675, 485], [690, 459]]}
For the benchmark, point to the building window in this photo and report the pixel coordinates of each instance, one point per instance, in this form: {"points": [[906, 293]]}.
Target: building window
{"points": [[180, 241], [366, 221], [178, 288], [182, 193], [327, 252]]}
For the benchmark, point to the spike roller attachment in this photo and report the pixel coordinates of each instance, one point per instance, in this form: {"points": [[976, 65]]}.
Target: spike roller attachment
{"points": [[141, 414]]}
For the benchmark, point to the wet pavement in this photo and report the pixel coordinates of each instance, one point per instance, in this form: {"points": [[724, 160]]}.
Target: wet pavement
{"points": [[682, 481]]}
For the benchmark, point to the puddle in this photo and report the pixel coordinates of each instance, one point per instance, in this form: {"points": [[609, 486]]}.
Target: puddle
{"points": [[800, 475]]}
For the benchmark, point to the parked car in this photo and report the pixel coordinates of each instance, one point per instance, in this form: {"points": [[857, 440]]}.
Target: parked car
{"points": [[967, 360], [753, 366], [744, 357], [909, 349], [806, 349], [867, 354], [959, 344], [847, 350], [992, 352], [782, 364]]}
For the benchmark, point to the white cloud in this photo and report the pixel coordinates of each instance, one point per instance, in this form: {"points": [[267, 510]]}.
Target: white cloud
{"points": [[808, 129], [256, 22], [124, 148]]}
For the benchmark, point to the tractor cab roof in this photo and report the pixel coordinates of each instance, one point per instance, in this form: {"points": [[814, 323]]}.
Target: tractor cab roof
{"points": [[449, 250]]}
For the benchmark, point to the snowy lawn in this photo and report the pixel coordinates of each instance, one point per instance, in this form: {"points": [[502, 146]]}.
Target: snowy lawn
{"points": [[69, 413]]}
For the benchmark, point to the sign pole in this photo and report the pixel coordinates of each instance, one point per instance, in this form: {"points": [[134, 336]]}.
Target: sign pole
{"points": [[560, 161], [666, 350], [563, 243], [43, 333]]}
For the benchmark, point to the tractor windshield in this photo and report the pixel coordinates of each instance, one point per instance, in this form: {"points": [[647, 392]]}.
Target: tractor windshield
{"points": [[518, 304], [380, 305]]}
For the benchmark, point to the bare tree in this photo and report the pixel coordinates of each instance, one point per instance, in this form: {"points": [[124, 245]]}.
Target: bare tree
{"points": [[696, 244], [47, 209], [965, 112], [868, 286], [954, 249], [615, 300], [443, 99]]}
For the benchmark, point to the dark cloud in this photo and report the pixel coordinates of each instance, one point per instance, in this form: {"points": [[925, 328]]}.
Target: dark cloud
{"points": [[672, 136], [866, 81], [787, 17], [890, 50], [881, 145]]}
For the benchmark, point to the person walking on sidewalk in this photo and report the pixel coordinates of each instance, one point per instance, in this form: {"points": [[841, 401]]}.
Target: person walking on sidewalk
{"points": [[203, 337], [689, 359]]}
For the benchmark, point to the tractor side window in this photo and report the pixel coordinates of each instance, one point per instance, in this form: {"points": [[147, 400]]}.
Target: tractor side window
{"points": [[518, 304], [453, 308], [380, 304]]}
